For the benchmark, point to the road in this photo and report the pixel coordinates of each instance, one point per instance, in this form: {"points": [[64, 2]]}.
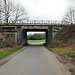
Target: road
{"points": [[35, 60]]}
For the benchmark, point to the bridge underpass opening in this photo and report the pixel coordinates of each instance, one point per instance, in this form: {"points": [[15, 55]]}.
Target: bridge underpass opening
{"points": [[36, 38], [22, 33]]}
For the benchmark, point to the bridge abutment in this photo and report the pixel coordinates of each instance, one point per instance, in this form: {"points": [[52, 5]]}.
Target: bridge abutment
{"points": [[19, 33], [21, 36], [49, 35], [24, 37], [46, 37]]}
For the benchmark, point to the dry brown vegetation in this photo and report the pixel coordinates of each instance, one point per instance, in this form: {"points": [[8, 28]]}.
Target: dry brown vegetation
{"points": [[6, 41], [67, 35], [64, 42]]}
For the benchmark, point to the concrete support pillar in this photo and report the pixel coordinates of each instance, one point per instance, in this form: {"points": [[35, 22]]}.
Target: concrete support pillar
{"points": [[21, 36], [15, 37], [46, 37], [49, 34], [24, 37], [19, 31]]}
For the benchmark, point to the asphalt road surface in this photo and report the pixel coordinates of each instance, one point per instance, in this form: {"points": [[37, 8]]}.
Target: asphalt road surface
{"points": [[35, 60]]}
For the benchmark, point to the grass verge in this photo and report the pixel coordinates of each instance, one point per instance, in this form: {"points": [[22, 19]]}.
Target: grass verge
{"points": [[32, 41], [62, 52], [5, 53]]}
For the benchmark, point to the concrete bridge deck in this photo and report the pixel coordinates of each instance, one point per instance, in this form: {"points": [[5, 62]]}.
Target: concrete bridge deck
{"points": [[33, 25]]}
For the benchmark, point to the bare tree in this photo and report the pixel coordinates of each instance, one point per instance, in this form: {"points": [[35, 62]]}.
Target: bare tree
{"points": [[13, 13], [70, 16], [9, 11], [20, 14], [2, 11]]}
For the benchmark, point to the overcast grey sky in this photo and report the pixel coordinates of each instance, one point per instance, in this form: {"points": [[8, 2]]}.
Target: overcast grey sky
{"points": [[45, 9]]}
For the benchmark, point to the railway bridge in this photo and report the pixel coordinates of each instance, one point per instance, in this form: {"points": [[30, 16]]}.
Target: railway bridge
{"points": [[19, 30]]}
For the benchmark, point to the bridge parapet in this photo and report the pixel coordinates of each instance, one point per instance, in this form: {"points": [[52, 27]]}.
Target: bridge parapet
{"points": [[45, 21], [37, 22]]}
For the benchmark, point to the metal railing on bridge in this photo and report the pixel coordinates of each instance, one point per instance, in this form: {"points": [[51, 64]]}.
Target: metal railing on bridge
{"points": [[45, 22], [38, 22]]}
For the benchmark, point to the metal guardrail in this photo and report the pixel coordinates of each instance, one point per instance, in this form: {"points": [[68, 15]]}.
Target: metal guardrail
{"points": [[37, 22], [45, 21]]}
